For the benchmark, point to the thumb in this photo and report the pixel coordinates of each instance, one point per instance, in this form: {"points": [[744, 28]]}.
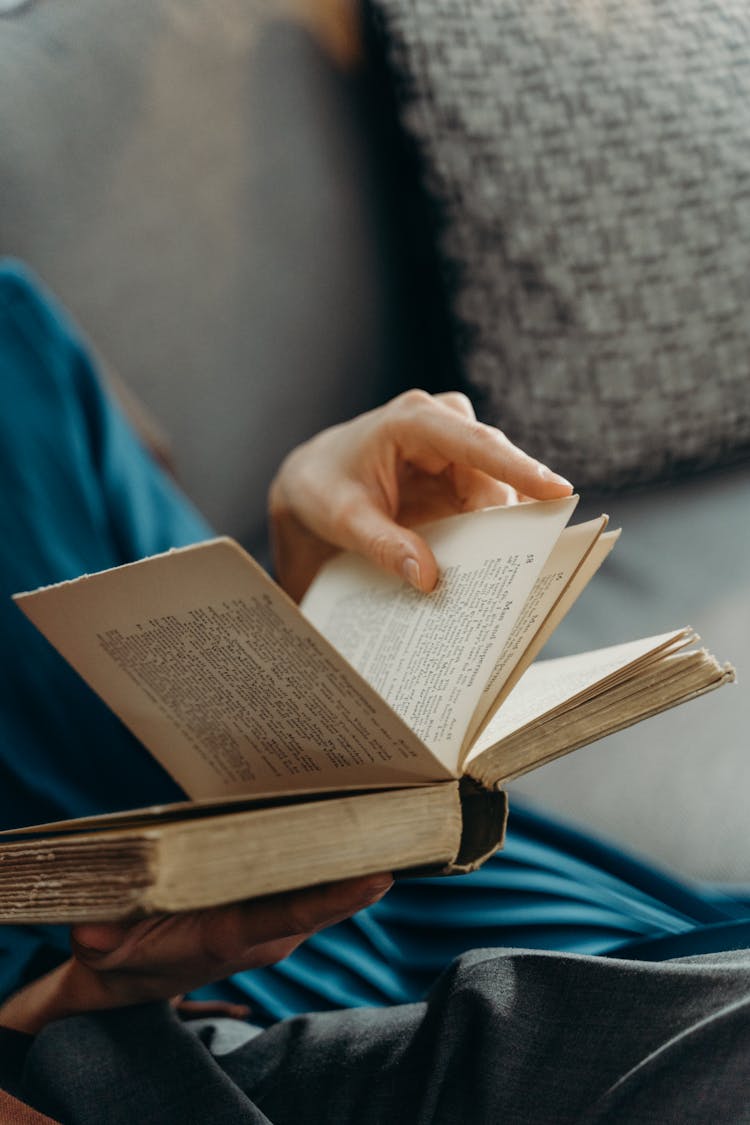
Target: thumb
{"points": [[91, 941], [393, 548]]}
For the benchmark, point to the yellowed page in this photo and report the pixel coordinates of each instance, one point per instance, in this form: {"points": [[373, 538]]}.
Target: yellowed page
{"points": [[430, 656], [215, 670], [670, 679], [600, 550], [563, 577], [549, 686]]}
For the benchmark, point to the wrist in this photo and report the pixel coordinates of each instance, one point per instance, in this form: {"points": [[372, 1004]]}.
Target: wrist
{"points": [[49, 998]]}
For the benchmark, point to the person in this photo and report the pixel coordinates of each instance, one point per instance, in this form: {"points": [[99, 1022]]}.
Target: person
{"points": [[91, 1026]]}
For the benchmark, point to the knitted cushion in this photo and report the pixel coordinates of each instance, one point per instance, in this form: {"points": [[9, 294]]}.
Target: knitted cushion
{"points": [[590, 163]]}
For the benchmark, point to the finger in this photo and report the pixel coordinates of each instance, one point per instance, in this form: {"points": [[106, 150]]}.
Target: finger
{"points": [[433, 436], [96, 940], [197, 1009], [476, 490], [234, 931], [394, 548], [456, 400], [223, 934]]}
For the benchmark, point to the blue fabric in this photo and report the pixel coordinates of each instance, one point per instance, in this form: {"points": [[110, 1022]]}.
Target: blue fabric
{"points": [[80, 493], [551, 888]]}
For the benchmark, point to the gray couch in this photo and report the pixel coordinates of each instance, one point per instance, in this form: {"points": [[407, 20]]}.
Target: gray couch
{"points": [[234, 219]]}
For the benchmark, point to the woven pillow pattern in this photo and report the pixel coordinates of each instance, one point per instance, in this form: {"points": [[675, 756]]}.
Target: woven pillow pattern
{"points": [[589, 164]]}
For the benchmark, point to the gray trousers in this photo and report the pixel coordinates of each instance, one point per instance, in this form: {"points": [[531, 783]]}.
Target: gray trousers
{"points": [[507, 1036]]}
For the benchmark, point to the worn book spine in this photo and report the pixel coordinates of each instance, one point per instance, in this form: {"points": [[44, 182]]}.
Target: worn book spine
{"points": [[113, 874]]}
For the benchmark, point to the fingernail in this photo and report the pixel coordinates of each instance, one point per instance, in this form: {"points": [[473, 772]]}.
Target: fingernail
{"points": [[410, 571], [547, 474]]}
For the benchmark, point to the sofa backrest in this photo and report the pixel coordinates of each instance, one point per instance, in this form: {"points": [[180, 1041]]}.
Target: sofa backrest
{"points": [[192, 180]]}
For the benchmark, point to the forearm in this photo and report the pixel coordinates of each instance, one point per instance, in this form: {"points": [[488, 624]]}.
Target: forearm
{"points": [[70, 989], [48, 998]]}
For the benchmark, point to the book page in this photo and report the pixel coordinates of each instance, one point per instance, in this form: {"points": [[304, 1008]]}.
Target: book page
{"points": [[550, 685], [429, 655], [671, 678], [600, 550], [216, 671], [554, 592]]}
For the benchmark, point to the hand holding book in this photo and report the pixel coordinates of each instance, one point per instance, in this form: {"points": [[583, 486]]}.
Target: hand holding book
{"points": [[366, 485], [159, 958]]}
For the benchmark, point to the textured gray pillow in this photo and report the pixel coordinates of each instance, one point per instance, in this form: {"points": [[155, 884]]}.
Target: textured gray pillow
{"points": [[591, 168]]}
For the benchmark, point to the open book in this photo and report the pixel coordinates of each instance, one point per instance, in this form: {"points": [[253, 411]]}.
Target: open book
{"points": [[370, 729]]}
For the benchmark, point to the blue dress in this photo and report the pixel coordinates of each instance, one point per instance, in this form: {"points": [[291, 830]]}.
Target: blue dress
{"points": [[79, 493]]}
